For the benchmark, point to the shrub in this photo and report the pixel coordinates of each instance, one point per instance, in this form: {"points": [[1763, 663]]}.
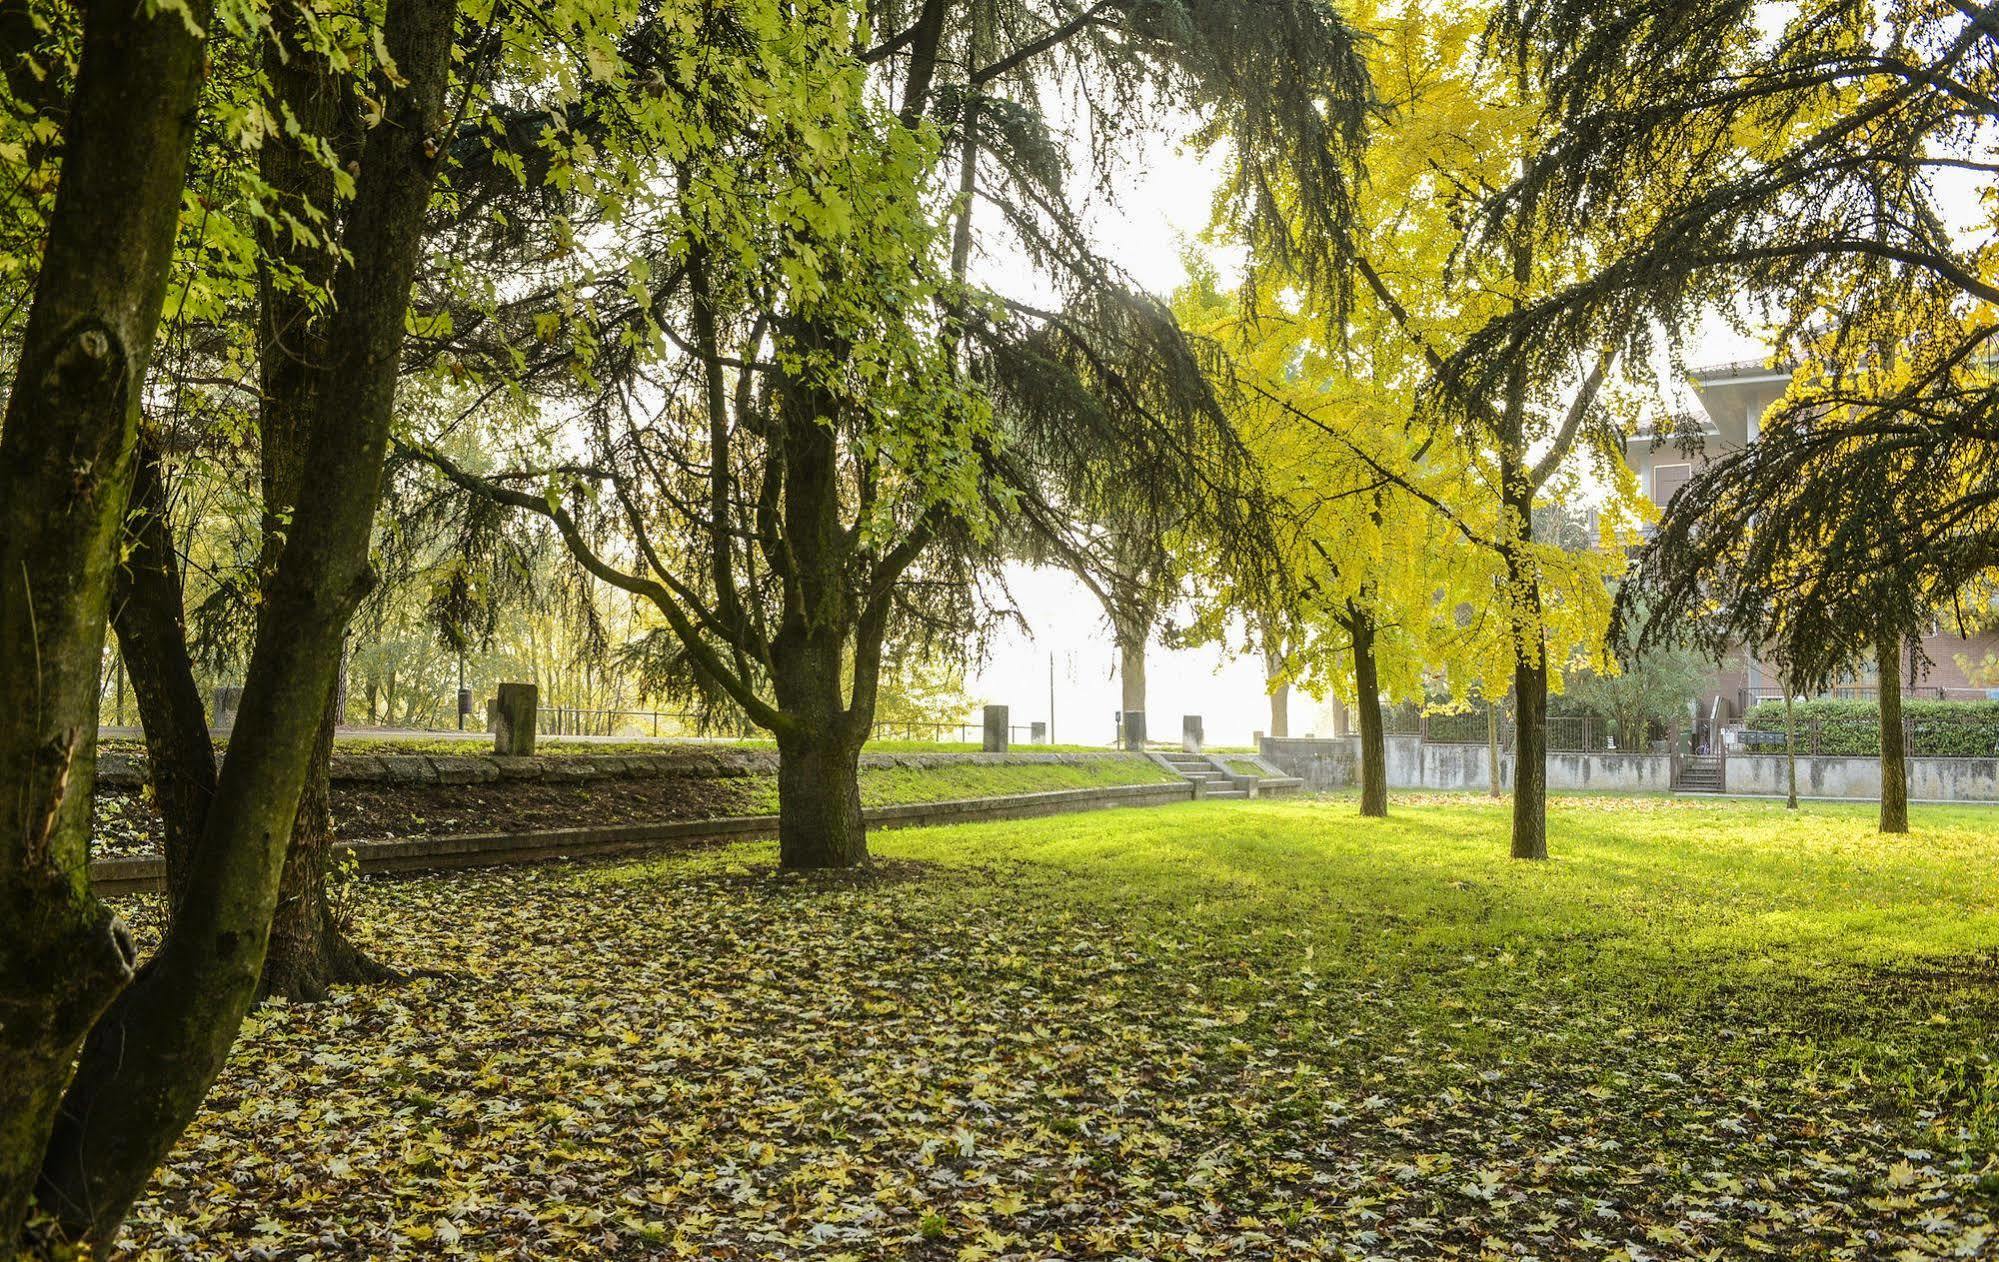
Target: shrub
{"points": [[1937, 729]]}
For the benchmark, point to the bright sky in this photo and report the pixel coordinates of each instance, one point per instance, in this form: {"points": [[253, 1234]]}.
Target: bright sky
{"points": [[1160, 205]]}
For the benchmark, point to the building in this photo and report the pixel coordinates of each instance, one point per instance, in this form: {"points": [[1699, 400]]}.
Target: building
{"points": [[1732, 400]]}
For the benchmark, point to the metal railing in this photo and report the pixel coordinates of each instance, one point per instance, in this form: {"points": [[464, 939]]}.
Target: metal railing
{"points": [[1870, 692]]}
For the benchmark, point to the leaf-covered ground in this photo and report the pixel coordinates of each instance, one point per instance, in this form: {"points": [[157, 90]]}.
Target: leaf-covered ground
{"points": [[1223, 1030]]}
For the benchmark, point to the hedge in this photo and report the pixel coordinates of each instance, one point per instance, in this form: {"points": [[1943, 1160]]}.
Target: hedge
{"points": [[1937, 729]]}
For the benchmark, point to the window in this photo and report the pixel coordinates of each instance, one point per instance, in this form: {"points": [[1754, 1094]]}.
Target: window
{"points": [[1667, 479]]}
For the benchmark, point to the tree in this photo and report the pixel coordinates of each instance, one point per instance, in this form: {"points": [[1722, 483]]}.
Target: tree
{"points": [[66, 468], [146, 1061], [1798, 169], [848, 420], [1389, 444], [1652, 685], [149, 1060]]}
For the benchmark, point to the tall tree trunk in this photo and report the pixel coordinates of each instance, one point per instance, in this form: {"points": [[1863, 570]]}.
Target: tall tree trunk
{"points": [[149, 613], [1367, 702], [66, 464], [149, 1060], [1530, 757], [818, 739], [1530, 668], [1790, 753], [1894, 752], [1530, 639], [1131, 666], [308, 952]]}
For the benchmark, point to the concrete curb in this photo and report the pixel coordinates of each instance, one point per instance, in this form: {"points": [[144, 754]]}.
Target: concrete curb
{"points": [[146, 873]]}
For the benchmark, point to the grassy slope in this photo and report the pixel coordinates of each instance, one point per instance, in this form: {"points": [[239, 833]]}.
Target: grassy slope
{"points": [[887, 786], [1263, 1030], [897, 786]]}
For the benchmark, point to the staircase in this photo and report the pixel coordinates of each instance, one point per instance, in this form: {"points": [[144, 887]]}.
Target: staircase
{"points": [[1209, 780], [1699, 773]]}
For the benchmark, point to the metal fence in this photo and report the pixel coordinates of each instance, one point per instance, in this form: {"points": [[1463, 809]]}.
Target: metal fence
{"points": [[1567, 733], [558, 720]]}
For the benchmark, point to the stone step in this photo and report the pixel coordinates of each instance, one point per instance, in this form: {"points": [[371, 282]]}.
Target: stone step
{"points": [[1212, 794]]}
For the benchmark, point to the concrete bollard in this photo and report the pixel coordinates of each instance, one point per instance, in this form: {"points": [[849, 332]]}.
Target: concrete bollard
{"points": [[1190, 733], [513, 720], [1134, 730], [996, 730]]}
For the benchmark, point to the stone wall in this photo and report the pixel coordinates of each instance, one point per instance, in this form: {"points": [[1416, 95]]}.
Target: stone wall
{"points": [[143, 873]]}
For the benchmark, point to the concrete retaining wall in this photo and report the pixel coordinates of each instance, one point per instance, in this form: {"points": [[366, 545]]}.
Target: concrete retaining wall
{"points": [[1930, 779], [1414, 764], [139, 874], [126, 770], [1331, 764]]}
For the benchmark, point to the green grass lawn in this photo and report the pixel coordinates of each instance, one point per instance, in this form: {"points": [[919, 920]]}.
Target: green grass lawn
{"points": [[1244, 1030]]}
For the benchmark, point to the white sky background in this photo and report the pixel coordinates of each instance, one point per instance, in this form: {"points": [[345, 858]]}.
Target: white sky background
{"points": [[1162, 202]]}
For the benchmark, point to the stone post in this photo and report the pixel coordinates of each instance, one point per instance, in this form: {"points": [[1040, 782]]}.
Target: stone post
{"points": [[1037, 733], [228, 698], [513, 720], [1134, 730], [996, 729], [1190, 733]]}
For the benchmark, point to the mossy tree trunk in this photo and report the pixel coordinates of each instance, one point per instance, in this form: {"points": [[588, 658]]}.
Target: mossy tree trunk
{"points": [[820, 725], [819, 801], [66, 469], [148, 611], [149, 1060], [309, 952]]}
